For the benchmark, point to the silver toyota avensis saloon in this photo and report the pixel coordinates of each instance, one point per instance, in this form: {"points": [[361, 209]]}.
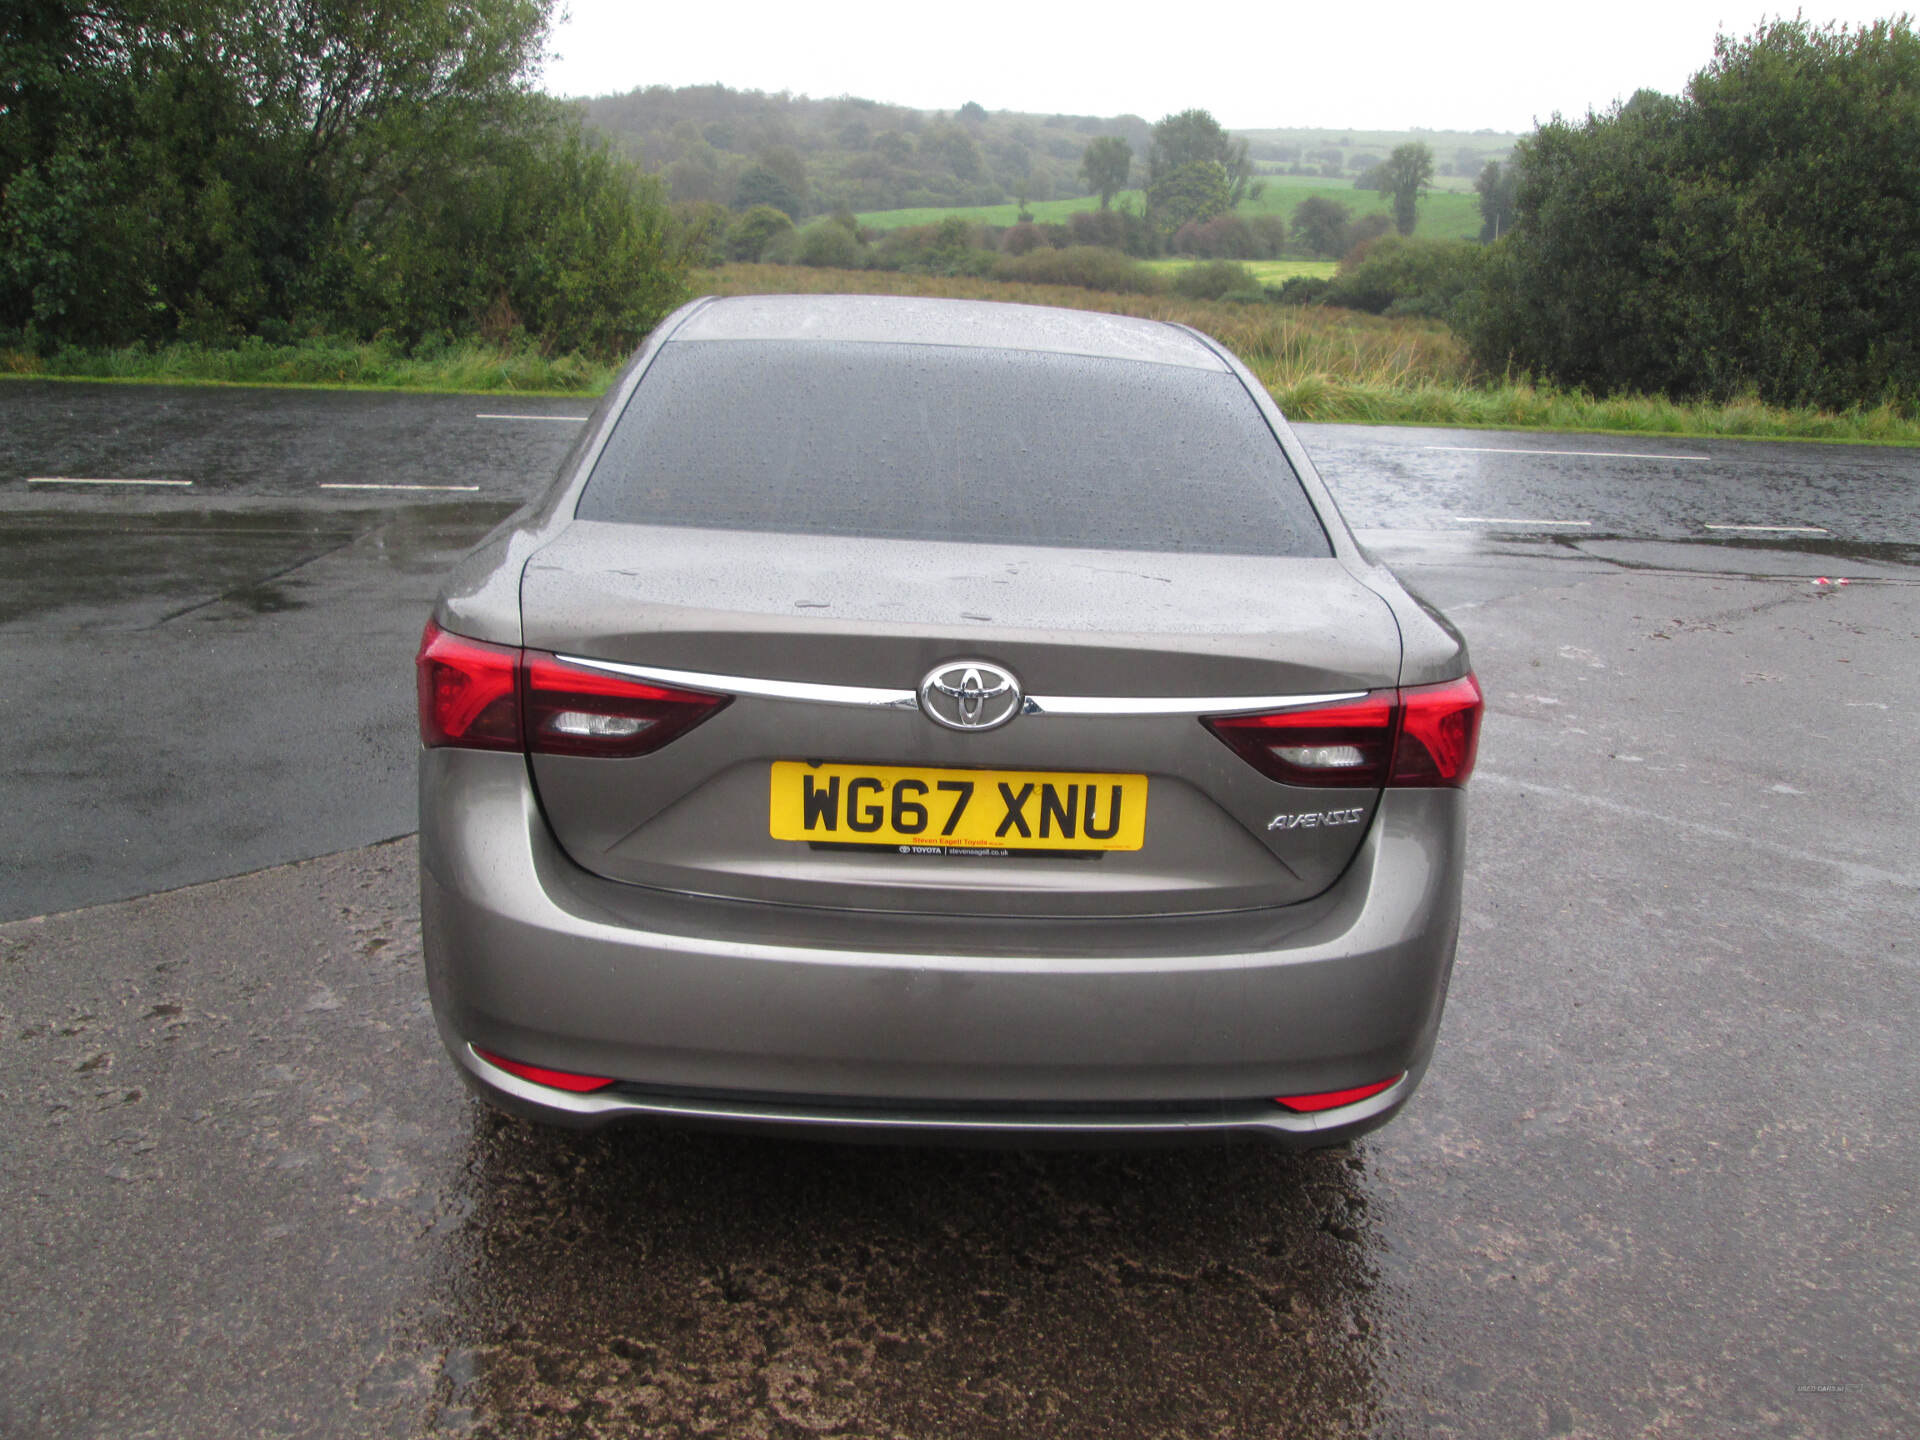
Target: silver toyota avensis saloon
{"points": [[934, 719]]}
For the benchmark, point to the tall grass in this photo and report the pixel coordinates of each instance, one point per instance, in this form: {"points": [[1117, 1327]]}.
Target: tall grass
{"points": [[1320, 364], [1336, 365], [470, 368]]}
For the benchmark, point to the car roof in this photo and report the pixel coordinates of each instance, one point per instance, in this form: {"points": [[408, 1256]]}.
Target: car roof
{"points": [[976, 324]]}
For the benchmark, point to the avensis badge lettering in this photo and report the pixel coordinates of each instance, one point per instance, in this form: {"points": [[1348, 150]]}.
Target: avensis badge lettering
{"points": [[1313, 819], [970, 695]]}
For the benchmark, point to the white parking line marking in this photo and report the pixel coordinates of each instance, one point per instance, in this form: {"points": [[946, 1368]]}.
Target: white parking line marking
{"points": [[567, 419], [1588, 454], [345, 486], [78, 480], [1512, 520], [1778, 529]]}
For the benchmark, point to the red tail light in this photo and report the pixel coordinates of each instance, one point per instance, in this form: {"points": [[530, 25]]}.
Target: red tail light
{"points": [[1349, 744], [1334, 1099], [540, 1075], [499, 697], [571, 710], [1417, 735], [1439, 733], [468, 692]]}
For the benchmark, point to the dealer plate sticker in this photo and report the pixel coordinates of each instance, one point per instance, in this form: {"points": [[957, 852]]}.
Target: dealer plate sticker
{"points": [[915, 807]]}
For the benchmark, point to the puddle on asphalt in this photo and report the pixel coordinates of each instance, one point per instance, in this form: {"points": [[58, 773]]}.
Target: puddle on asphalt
{"points": [[636, 1281], [1754, 558], [129, 570], [1743, 556]]}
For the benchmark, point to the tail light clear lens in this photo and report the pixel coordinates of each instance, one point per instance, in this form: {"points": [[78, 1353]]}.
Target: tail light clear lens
{"points": [[499, 697], [468, 692], [571, 710], [1418, 735], [1349, 745]]}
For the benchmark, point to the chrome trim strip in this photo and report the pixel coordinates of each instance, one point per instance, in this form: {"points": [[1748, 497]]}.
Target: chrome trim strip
{"points": [[1118, 705], [856, 695], [871, 698]]}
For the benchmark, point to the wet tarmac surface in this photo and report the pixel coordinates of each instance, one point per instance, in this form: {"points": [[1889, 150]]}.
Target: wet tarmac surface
{"points": [[1659, 1180], [237, 440]]}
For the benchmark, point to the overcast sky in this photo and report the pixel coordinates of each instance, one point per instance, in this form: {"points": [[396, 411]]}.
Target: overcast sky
{"points": [[1377, 65]]}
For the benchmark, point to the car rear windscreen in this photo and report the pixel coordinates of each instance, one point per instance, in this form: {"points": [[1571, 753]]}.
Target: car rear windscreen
{"points": [[943, 443]]}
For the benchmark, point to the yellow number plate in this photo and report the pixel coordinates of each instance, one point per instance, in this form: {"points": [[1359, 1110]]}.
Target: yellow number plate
{"points": [[974, 809]]}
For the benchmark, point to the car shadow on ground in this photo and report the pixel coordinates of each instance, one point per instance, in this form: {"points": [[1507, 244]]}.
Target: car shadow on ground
{"points": [[659, 1281]]}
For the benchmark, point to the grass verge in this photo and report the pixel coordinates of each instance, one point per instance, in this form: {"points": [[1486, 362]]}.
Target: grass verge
{"points": [[470, 368], [1321, 365], [1341, 367]]}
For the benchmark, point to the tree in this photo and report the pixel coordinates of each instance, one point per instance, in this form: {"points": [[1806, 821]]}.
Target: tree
{"points": [[1404, 176], [1194, 191], [1759, 234], [1194, 137], [1320, 225], [955, 146], [778, 177], [1495, 189], [205, 169], [1191, 137], [1104, 165], [757, 228]]}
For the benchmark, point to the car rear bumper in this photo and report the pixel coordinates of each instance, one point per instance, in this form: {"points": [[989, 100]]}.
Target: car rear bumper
{"points": [[978, 1028]]}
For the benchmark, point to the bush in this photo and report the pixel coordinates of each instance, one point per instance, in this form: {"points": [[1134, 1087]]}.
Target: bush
{"points": [[1021, 238], [750, 235], [1269, 236], [1091, 267], [1394, 275], [1366, 228], [1300, 290], [1225, 237], [950, 248], [1113, 229], [1760, 234], [702, 226], [1213, 280], [828, 244], [1321, 226]]}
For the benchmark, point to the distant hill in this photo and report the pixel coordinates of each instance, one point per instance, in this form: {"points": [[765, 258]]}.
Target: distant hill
{"points": [[807, 156]]}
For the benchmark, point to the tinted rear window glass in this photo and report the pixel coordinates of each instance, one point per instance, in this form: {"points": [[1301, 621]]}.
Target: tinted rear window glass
{"points": [[948, 443]]}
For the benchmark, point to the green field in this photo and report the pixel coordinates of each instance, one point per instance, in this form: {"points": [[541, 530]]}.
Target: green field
{"points": [[1045, 211], [1444, 215], [1267, 272]]}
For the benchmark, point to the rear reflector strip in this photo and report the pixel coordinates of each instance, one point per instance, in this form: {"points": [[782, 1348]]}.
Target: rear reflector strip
{"points": [[1334, 1099], [539, 1075]]}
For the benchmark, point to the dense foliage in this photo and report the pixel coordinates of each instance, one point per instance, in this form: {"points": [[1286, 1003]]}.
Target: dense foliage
{"points": [[211, 169], [1760, 234], [706, 140]]}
